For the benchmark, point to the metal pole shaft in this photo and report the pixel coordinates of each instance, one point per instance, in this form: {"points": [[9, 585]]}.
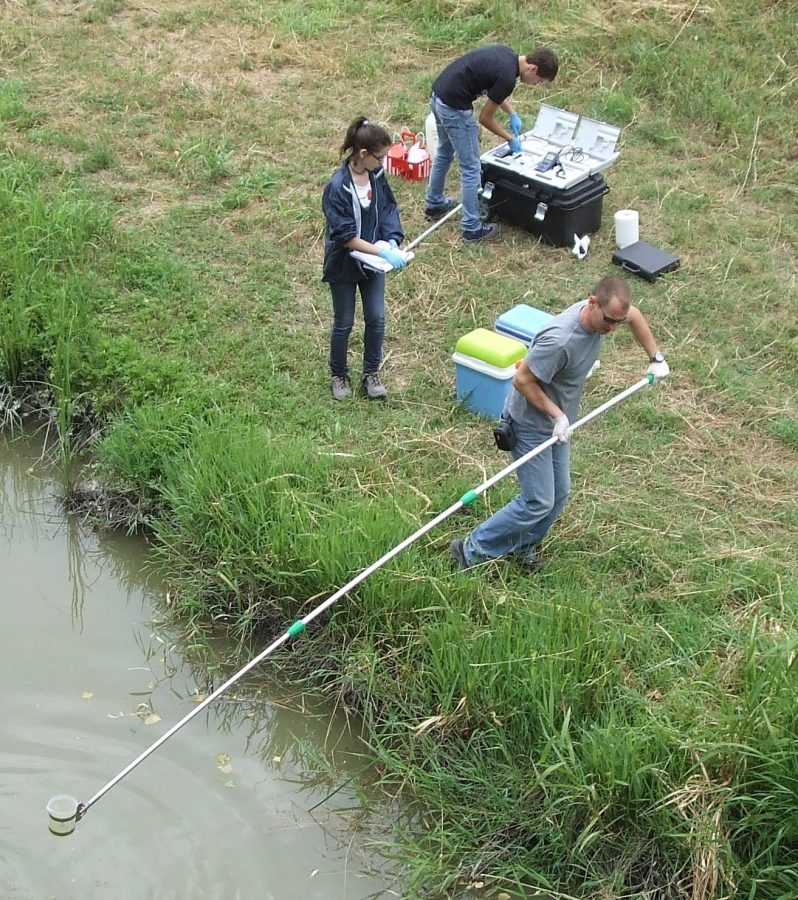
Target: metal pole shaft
{"points": [[432, 228], [471, 495], [83, 807], [299, 626], [516, 464]]}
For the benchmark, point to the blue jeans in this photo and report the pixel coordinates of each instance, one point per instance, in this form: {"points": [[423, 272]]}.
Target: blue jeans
{"points": [[458, 135], [545, 484], [372, 292]]}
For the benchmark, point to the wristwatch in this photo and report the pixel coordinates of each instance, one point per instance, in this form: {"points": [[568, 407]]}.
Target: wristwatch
{"points": [[658, 357]]}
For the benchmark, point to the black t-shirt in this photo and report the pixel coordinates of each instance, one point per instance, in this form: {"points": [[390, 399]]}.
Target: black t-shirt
{"points": [[491, 70], [368, 222]]}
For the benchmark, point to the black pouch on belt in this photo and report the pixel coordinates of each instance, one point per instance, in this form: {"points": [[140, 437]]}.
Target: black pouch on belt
{"points": [[504, 435]]}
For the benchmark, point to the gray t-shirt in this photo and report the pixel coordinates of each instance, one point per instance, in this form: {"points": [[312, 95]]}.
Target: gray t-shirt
{"points": [[560, 357]]}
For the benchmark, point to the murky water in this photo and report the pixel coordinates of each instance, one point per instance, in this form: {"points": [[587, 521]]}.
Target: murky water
{"points": [[223, 810]]}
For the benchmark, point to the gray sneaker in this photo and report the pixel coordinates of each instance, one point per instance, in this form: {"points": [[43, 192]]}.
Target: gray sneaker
{"points": [[457, 553], [374, 386], [340, 387], [486, 233]]}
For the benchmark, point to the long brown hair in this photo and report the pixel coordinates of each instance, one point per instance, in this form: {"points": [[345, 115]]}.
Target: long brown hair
{"points": [[364, 135]]}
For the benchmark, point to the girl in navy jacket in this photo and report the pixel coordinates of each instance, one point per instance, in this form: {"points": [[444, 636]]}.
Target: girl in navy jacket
{"points": [[361, 211]]}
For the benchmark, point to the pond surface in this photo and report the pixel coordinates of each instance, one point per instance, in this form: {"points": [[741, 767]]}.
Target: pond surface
{"points": [[232, 806]]}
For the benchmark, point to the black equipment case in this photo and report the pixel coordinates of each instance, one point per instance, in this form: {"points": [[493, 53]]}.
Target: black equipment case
{"points": [[555, 215], [553, 186], [645, 260]]}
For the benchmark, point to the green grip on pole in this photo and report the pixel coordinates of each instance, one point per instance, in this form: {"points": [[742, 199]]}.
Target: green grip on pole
{"points": [[469, 497], [650, 377], [297, 628]]}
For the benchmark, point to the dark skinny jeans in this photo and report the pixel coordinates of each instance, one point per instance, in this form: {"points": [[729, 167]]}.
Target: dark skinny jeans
{"points": [[372, 292]]}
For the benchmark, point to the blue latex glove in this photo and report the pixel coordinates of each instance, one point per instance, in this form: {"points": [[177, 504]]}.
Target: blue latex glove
{"points": [[393, 256], [514, 144], [516, 125], [393, 243]]}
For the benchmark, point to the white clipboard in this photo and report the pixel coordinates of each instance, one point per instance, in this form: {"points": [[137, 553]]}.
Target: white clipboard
{"points": [[377, 263]]}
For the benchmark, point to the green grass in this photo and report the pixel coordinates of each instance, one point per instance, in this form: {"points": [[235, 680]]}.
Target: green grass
{"points": [[622, 725]]}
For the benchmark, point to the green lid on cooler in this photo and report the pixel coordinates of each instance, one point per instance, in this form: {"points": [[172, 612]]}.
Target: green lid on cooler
{"points": [[495, 349]]}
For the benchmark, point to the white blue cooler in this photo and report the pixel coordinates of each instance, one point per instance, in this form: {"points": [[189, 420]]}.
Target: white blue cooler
{"points": [[485, 363], [522, 322]]}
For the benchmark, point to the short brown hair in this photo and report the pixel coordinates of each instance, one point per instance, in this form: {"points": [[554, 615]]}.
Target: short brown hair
{"points": [[612, 286], [546, 61]]}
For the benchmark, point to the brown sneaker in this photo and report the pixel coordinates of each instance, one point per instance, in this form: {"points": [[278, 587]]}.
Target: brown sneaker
{"points": [[340, 387], [374, 386]]}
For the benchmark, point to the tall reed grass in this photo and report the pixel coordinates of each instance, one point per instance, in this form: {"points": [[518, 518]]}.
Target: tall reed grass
{"points": [[518, 706]]}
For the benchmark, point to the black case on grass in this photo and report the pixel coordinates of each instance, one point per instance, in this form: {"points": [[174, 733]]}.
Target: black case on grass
{"points": [[571, 211], [645, 260]]}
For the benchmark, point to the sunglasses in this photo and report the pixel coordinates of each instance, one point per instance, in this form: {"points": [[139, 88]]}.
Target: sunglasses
{"points": [[610, 321], [378, 157]]}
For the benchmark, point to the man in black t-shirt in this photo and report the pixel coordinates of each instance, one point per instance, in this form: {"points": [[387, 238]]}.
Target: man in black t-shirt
{"points": [[492, 70]]}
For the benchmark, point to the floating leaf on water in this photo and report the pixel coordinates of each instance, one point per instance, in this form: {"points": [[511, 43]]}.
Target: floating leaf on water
{"points": [[277, 759], [151, 719], [229, 784], [198, 697], [314, 873], [87, 695], [223, 763]]}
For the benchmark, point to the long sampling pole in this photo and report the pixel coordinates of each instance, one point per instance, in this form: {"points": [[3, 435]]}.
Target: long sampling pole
{"points": [[69, 816], [432, 228]]}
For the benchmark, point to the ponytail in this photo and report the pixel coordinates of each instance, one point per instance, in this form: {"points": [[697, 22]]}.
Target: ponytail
{"points": [[364, 135]]}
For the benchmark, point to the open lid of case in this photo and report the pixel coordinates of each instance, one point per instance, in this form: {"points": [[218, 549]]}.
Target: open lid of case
{"points": [[557, 130], [555, 126], [597, 140]]}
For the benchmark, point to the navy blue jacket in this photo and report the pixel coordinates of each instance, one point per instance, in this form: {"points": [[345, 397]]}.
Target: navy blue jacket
{"points": [[342, 210]]}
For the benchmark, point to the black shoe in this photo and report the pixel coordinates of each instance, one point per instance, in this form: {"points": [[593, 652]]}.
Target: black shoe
{"points": [[530, 562], [485, 233], [457, 552], [438, 212]]}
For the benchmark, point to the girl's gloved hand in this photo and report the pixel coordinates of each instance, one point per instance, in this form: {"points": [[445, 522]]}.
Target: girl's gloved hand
{"points": [[515, 145], [516, 125], [394, 256]]}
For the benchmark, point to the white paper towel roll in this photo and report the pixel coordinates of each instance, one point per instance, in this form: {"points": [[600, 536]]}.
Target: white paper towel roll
{"points": [[627, 224]]}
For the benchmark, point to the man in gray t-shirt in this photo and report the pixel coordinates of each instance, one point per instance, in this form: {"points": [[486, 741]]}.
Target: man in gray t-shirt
{"points": [[543, 400]]}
